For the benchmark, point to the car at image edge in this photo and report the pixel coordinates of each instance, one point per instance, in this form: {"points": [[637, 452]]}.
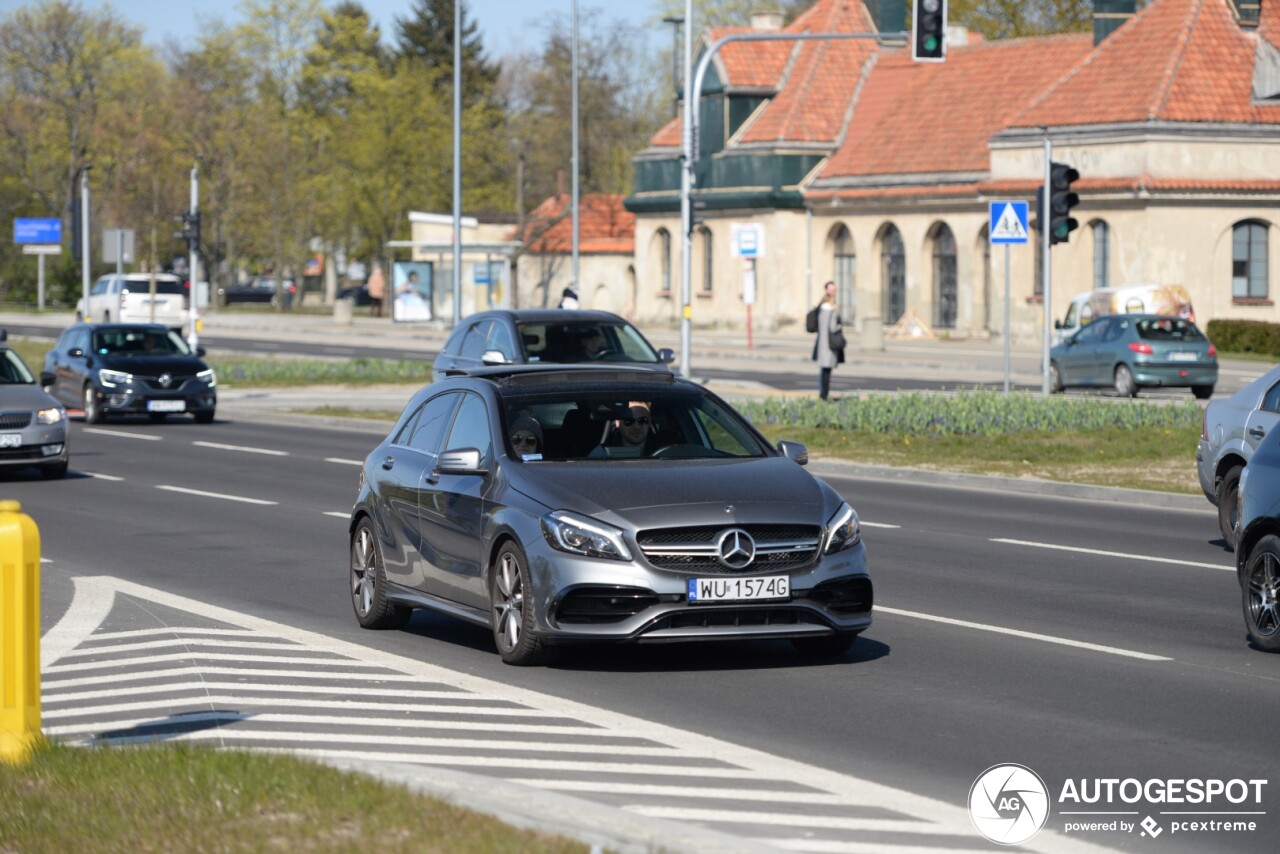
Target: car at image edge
{"points": [[33, 426], [703, 532], [1258, 544]]}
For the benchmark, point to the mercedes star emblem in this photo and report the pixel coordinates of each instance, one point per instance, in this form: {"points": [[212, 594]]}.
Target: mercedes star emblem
{"points": [[735, 548]]}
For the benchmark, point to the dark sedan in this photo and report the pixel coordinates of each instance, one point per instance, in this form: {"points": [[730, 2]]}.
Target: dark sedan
{"points": [[262, 289], [129, 369], [539, 336], [589, 504], [1129, 352], [1258, 544]]}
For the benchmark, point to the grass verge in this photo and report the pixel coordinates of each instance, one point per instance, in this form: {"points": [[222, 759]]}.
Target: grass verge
{"points": [[172, 797]]}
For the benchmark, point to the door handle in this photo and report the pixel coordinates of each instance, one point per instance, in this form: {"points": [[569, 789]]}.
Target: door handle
{"points": [[1257, 432], [388, 463]]}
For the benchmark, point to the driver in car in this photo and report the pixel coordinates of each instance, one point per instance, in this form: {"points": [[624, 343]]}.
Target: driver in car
{"points": [[631, 431], [594, 345]]}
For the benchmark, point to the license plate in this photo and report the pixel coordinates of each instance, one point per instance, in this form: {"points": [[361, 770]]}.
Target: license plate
{"points": [[739, 589], [1183, 357], [166, 406], [10, 440]]}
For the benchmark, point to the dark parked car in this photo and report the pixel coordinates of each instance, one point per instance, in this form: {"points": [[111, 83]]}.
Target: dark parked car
{"points": [[33, 426], [1132, 351], [359, 295], [1258, 544], [261, 289], [1229, 432], [538, 336], [588, 504], [134, 369]]}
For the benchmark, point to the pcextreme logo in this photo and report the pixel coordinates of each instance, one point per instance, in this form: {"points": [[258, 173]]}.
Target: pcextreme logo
{"points": [[1009, 804]]}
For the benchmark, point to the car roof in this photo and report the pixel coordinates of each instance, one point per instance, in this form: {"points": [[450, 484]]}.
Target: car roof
{"points": [[151, 327], [548, 315]]}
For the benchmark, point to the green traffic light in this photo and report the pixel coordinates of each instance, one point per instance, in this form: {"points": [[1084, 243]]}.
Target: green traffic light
{"points": [[930, 43]]}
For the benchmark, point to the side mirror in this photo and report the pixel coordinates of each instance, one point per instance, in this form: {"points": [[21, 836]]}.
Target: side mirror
{"points": [[795, 452], [47, 378], [76, 352], [494, 357], [460, 461], [1057, 324], [666, 355], [200, 351]]}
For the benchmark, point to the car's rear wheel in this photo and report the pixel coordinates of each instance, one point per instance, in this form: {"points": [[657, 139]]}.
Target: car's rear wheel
{"points": [[512, 609], [93, 413], [824, 646], [1125, 386], [1055, 378], [1228, 490], [1261, 594], [54, 471], [1202, 392], [369, 582]]}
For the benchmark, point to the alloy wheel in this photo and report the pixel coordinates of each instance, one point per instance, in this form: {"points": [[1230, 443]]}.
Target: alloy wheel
{"points": [[509, 603], [364, 571], [1263, 597]]}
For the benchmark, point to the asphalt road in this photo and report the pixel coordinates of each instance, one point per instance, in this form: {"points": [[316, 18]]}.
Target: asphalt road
{"points": [[1081, 639]]}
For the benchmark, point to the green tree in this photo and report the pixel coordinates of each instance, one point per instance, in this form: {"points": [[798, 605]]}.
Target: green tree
{"points": [[1002, 19], [426, 36]]}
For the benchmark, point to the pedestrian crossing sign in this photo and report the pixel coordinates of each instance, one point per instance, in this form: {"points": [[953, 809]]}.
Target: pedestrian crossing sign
{"points": [[1008, 222]]}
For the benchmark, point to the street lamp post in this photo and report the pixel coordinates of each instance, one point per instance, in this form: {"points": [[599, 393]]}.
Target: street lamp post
{"points": [[574, 182], [676, 21], [84, 238]]}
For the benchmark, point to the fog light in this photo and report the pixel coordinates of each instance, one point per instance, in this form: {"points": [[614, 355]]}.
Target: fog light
{"points": [[118, 400], [51, 450]]}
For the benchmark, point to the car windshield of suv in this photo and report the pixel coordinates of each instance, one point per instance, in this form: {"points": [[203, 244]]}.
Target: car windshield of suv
{"points": [[13, 371], [1168, 329], [139, 341], [584, 341], [644, 425]]}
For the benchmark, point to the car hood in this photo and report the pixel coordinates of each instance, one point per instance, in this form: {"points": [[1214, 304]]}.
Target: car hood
{"points": [[25, 396], [677, 492], [151, 366]]}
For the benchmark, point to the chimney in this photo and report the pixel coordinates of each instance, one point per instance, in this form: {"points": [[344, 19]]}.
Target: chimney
{"points": [[766, 21], [1109, 15]]}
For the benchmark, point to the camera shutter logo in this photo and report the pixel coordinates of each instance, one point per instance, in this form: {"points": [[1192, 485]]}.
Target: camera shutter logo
{"points": [[1009, 804]]}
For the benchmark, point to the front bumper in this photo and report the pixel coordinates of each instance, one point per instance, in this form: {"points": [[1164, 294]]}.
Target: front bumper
{"points": [[194, 398], [41, 445]]}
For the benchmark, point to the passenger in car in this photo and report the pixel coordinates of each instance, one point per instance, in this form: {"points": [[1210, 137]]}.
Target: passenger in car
{"points": [[526, 437]]}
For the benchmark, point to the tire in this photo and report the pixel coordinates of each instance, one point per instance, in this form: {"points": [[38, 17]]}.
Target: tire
{"points": [[54, 471], [1125, 386], [204, 417], [1260, 594], [93, 413], [368, 582], [1228, 489], [512, 611], [1202, 392], [825, 646], [1055, 379]]}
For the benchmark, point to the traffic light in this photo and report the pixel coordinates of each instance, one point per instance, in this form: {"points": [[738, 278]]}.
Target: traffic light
{"points": [[1061, 200], [190, 229], [928, 31]]}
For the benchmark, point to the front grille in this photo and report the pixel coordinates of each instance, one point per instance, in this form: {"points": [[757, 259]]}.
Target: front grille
{"points": [[26, 452], [175, 383], [710, 618], [603, 604], [779, 548], [14, 420]]}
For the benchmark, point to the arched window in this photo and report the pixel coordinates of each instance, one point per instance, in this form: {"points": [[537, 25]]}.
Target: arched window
{"points": [[844, 266], [707, 259], [984, 241], [664, 251], [893, 275], [1249, 260], [944, 278], [1101, 254]]}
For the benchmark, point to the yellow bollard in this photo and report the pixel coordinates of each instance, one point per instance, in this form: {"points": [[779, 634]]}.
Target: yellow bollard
{"points": [[19, 633]]}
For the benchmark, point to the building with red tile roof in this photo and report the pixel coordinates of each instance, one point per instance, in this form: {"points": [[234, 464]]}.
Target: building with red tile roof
{"points": [[878, 172]]}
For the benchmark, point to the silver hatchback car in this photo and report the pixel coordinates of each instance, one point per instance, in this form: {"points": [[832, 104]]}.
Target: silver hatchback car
{"points": [[33, 426], [560, 504]]}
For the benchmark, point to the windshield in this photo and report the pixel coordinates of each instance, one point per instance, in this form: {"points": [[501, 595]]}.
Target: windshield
{"points": [[584, 341], [647, 425], [13, 370], [163, 286], [139, 341]]}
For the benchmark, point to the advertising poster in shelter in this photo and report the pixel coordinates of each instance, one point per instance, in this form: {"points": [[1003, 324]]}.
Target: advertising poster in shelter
{"points": [[412, 286]]}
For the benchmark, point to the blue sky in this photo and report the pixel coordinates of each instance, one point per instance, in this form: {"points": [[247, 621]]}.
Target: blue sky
{"points": [[505, 25]]}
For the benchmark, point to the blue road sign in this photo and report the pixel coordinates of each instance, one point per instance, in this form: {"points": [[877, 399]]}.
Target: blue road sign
{"points": [[37, 231], [1008, 222]]}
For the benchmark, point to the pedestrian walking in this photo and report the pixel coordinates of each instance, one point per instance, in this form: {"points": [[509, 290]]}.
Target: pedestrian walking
{"points": [[377, 291], [828, 343], [568, 299]]}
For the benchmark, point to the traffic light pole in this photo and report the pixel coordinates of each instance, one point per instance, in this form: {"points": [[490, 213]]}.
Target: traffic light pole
{"points": [[1047, 269], [84, 238], [193, 334]]}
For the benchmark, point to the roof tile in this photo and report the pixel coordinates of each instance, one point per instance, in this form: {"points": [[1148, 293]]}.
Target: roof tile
{"points": [[604, 226]]}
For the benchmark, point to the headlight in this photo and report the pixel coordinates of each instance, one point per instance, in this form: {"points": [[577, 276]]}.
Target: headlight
{"points": [[111, 379], [208, 377], [579, 535], [50, 416], [843, 531]]}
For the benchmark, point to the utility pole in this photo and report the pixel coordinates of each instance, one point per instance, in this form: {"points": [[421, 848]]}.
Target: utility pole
{"points": [[193, 245], [574, 202], [675, 21], [1046, 269], [457, 163], [84, 237]]}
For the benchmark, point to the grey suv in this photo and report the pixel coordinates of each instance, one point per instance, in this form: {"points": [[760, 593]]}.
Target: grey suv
{"points": [[558, 504]]}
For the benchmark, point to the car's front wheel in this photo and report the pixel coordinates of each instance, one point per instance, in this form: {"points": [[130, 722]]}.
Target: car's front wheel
{"points": [[1228, 490], [512, 608], [1125, 386], [825, 646], [93, 413], [1202, 392], [204, 417], [1261, 594], [54, 471], [1055, 378], [369, 582]]}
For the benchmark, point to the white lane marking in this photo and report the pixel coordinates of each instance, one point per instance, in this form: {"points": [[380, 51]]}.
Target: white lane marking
{"points": [[146, 436], [864, 523], [340, 461], [221, 447], [656, 790], [96, 476], [90, 605], [830, 822], [171, 631], [1100, 553], [205, 656], [115, 648], [240, 701], [397, 694], [204, 494], [1093, 647], [50, 685], [338, 515]]}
